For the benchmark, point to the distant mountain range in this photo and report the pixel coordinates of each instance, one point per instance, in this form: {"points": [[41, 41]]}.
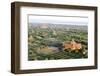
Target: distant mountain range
{"points": [[50, 25]]}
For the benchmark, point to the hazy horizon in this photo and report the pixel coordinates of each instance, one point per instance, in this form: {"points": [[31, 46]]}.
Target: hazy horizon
{"points": [[58, 20], [68, 23]]}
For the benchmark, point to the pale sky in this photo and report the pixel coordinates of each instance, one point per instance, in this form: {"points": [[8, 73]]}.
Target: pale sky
{"points": [[59, 20]]}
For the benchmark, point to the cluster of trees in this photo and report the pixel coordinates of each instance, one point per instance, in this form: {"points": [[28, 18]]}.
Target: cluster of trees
{"points": [[47, 43]]}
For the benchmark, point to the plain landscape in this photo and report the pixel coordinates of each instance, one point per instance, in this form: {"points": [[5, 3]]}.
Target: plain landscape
{"points": [[48, 41]]}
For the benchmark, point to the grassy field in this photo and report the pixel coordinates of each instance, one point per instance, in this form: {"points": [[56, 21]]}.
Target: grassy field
{"points": [[47, 43]]}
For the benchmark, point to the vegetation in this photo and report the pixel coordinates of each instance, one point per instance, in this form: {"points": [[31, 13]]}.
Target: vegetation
{"points": [[47, 43]]}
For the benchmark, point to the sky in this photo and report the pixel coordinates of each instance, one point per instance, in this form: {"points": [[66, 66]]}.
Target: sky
{"points": [[58, 20]]}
